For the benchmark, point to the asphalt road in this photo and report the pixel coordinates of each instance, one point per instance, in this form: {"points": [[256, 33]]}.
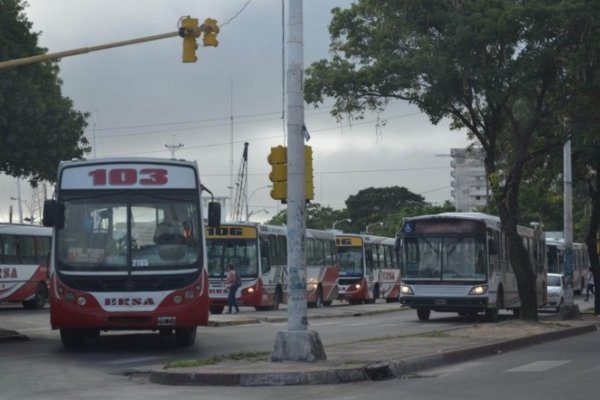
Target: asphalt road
{"points": [[42, 368]]}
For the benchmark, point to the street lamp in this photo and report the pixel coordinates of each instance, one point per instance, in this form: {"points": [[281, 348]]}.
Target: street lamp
{"points": [[348, 220], [251, 213], [248, 213], [373, 224]]}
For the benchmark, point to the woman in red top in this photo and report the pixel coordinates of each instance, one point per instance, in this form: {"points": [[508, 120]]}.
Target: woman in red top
{"points": [[230, 284]]}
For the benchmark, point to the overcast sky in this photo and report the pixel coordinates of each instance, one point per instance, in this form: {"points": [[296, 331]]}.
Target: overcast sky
{"points": [[143, 97]]}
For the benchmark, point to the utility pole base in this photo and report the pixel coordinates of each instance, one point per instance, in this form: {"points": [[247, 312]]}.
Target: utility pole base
{"points": [[568, 312], [298, 346]]}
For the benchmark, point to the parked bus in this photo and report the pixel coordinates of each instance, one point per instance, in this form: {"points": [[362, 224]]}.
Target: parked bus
{"points": [[555, 256], [129, 249], [369, 268], [24, 252], [458, 262], [259, 253]]}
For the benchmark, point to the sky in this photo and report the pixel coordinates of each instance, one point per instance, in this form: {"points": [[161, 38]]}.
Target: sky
{"points": [[142, 99]]}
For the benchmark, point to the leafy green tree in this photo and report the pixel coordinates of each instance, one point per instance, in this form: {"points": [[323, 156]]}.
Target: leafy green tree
{"points": [[495, 68], [584, 122], [317, 217], [38, 125]]}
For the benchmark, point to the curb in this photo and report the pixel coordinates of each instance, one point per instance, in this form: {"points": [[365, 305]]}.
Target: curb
{"points": [[334, 374]]}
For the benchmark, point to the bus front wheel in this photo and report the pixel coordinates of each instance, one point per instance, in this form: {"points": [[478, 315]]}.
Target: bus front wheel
{"points": [[423, 314], [185, 337], [72, 338]]}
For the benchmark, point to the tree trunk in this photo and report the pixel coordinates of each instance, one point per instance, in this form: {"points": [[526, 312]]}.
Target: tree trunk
{"points": [[517, 254]]}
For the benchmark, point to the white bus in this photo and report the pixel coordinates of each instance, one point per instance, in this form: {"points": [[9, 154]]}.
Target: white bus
{"points": [[369, 268], [24, 254], [555, 256], [259, 253], [458, 262]]}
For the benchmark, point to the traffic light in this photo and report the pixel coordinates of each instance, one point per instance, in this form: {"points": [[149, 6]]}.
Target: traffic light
{"points": [[210, 29], [189, 31], [278, 160], [309, 188]]}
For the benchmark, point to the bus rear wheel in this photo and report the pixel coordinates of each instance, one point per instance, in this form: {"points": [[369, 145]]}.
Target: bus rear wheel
{"points": [[185, 337], [423, 314], [216, 309], [39, 299]]}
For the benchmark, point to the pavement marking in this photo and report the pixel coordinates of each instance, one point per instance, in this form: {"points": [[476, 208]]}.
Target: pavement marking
{"points": [[539, 366], [449, 369], [133, 360]]}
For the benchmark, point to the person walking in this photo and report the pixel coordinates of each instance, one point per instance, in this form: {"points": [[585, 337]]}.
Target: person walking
{"points": [[231, 284], [589, 280]]}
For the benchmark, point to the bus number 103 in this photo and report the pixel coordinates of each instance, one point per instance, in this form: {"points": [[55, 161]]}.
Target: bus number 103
{"points": [[128, 176]]}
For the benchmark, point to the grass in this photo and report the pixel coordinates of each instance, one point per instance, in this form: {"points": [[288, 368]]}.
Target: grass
{"points": [[201, 362]]}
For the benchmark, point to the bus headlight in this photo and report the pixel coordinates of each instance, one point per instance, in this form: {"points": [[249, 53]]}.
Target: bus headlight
{"points": [[81, 301], [478, 290], [406, 290], [177, 299]]}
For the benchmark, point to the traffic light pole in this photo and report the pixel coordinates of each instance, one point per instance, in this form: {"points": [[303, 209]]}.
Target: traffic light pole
{"points": [[297, 343], [189, 30], [83, 50]]}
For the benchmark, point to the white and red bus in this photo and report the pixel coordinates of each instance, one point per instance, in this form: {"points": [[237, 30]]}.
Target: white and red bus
{"points": [[369, 268], [24, 254], [129, 248], [458, 262], [259, 253]]}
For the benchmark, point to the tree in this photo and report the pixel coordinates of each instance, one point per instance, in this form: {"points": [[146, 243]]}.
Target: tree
{"points": [[38, 126], [494, 68]]}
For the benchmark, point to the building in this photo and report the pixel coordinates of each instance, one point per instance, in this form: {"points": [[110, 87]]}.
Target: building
{"points": [[469, 184]]}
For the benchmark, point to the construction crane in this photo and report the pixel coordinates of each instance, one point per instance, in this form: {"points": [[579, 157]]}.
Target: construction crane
{"points": [[241, 188]]}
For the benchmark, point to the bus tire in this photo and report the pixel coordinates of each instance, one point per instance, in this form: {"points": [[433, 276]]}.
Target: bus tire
{"points": [[185, 337], [492, 313], [216, 309], [423, 314], [516, 312], [39, 299], [277, 299], [72, 338]]}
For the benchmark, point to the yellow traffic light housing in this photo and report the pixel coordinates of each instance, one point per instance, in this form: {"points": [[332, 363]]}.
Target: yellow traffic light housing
{"points": [[309, 188], [189, 31], [210, 29], [278, 160]]}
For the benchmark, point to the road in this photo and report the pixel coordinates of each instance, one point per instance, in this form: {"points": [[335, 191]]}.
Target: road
{"points": [[41, 368]]}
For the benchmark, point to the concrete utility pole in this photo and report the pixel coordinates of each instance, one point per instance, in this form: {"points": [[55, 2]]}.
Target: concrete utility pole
{"points": [[568, 310], [297, 343]]}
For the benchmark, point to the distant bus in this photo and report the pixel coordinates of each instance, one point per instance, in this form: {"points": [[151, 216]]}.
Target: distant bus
{"points": [[555, 256], [259, 253], [129, 248], [24, 254], [369, 268], [458, 262]]}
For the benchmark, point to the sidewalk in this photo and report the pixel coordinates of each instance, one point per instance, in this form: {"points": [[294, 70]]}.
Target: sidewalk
{"points": [[379, 359]]}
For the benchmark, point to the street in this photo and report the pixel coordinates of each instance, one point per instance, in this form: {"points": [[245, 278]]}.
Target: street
{"points": [[42, 368]]}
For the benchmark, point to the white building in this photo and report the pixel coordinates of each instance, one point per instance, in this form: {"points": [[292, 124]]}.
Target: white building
{"points": [[469, 183]]}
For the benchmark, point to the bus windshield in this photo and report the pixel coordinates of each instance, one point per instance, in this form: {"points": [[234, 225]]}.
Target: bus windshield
{"points": [[350, 260], [242, 252], [444, 258], [119, 231]]}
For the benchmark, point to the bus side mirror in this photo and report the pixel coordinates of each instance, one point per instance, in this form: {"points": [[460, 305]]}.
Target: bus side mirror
{"points": [[492, 248], [214, 214], [54, 214]]}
